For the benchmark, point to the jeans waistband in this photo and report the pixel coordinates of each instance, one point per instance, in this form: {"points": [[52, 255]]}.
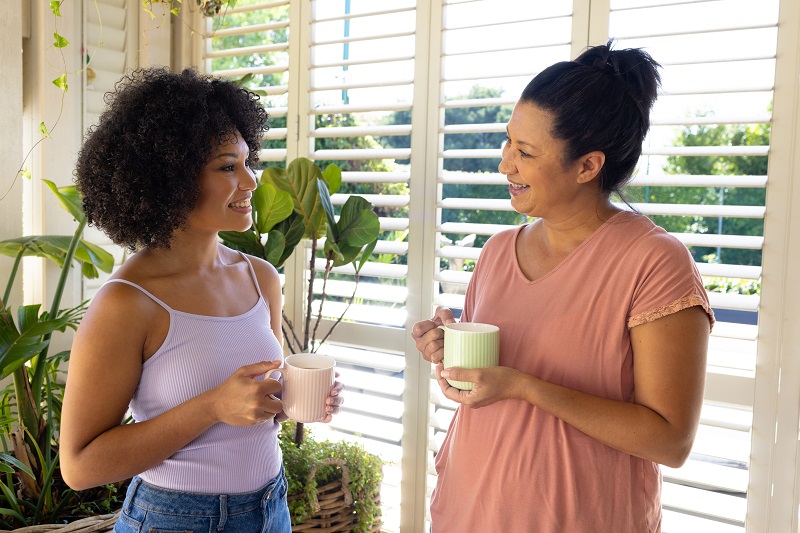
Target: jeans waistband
{"points": [[153, 498]]}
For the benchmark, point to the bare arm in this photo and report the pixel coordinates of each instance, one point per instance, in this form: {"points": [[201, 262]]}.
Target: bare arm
{"points": [[669, 376], [104, 370]]}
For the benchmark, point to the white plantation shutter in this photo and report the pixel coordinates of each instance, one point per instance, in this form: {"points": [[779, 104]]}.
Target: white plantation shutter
{"points": [[109, 49], [361, 69], [719, 67], [253, 39]]}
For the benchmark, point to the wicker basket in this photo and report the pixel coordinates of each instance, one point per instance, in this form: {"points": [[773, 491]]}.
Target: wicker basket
{"points": [[334, 510], [92, 524]]}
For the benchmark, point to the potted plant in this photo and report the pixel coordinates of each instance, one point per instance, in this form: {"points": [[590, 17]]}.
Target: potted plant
{"points": [[333, 486], [31, 489], [290, 206]]}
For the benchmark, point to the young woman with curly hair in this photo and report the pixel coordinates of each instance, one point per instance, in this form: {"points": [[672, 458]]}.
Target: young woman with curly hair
{"points": [[187, 331]]}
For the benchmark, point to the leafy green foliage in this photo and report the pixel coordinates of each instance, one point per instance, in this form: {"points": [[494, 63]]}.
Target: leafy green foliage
{"points": [[365, 471], [292, 204], [31, 489], [732, 286]]}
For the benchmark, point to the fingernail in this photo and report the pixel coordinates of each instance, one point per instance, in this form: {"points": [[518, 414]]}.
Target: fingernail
{"points": [[445, 373]]}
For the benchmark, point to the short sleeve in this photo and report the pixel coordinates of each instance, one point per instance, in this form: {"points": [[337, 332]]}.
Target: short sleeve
{"points": [[667, 281]]}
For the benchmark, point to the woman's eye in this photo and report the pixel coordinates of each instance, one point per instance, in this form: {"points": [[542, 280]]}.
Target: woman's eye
{"points": [[227, 168], [524, 154]]}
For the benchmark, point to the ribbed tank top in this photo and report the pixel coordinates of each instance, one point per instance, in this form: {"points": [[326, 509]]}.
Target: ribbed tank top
{"points": [[199, 353]]}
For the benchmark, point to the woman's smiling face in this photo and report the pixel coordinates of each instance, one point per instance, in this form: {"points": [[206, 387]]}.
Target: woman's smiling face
{"points": [[226, 186], [533, 162]]}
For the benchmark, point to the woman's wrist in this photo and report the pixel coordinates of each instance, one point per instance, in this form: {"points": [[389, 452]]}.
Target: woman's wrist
{"points": [[522, 386]]}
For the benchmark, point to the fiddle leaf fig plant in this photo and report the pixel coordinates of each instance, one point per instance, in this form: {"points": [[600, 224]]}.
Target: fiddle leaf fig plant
{"points": [[295, 204]]}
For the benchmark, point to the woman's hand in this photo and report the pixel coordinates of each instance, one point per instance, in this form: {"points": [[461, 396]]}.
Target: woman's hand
{"points": [[334, 401], [429, 338], [241, 400], [490, 384]]}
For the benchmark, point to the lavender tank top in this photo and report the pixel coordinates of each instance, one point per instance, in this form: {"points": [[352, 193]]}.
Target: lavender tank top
{"points": [[198, 354]]}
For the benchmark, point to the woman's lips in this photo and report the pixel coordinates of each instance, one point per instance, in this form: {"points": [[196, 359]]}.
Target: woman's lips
{"points": [[514, 189]]}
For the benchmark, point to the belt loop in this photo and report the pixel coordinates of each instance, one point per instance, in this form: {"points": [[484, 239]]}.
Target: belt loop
{"points": [[132, 492], [223, 511]]}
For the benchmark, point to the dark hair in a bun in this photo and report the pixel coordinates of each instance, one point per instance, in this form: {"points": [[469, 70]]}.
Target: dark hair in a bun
{"points": [[600, 101]]}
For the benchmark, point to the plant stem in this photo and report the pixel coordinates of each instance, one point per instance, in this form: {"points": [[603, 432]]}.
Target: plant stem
{"points": [[311, 275], [299, 434], [349, 303], [17, 261], [41, 359], [27, 411], [328, 267]]}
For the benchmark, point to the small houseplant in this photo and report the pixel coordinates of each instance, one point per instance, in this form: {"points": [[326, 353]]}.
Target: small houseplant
{"points": [[31, 489], [289, 206]]}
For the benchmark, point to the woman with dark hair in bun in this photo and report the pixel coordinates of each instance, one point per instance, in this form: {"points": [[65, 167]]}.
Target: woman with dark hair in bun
{"points": [[187, 332], [603, 318]]}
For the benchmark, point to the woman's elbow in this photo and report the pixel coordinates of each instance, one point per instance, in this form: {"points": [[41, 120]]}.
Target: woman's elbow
{"points": [[73, 475], [678, 453]]}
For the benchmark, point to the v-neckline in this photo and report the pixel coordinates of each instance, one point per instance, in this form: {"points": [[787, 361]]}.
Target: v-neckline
{"points": [[565, 260]]}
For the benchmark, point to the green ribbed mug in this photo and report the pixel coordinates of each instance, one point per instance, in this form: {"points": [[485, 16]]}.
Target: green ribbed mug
{"points": [[470, 345]]}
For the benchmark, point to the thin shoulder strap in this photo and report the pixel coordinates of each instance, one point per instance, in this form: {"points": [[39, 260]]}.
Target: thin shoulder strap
{"points": [[132, 284], [252, 274]]}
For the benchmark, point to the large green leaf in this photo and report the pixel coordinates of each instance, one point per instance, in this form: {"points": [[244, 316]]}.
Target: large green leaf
{"points": [[69, 199], [270, 206], [274, 247], [293, 229], [365, 255], [300, 180], [358, 224], [327, 205], [333, 177], [244, 241], [54, 247], [17, 346]]}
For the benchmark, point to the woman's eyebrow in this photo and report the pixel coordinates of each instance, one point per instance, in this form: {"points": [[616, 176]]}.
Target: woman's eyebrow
{"points": [[521, 142], [226, 154]]}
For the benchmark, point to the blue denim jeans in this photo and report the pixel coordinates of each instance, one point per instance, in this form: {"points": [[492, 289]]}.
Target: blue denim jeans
{"points": [[151, 509]]}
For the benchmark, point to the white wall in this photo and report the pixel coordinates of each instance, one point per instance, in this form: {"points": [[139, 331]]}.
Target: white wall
{"points": [[11, 135]]}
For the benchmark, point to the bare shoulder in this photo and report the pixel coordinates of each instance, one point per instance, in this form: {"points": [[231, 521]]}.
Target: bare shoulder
{"points": [[266, 274], [119, 313]]}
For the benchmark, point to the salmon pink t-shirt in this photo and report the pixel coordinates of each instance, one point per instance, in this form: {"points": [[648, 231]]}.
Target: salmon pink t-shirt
{"points": [[511, 467]]}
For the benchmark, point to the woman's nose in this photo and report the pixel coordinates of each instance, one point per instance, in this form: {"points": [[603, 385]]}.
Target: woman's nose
{"points": [[505, 166], [248, 181]]}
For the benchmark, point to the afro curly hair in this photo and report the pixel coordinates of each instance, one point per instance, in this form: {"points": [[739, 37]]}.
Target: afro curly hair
{"points": [[138, 168]]}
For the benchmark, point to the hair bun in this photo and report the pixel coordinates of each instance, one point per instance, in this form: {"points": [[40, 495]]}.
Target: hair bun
{"points": [[608, 63]]}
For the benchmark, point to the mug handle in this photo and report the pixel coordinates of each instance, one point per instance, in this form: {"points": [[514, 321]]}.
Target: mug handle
{"points": [[282, 380]]}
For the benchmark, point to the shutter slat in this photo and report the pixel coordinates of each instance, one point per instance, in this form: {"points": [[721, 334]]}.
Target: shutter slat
{"points": [[352, 16], [247, 50], [377, 200], [361, 131], [242, 30], [367, 153], [375, 177]]}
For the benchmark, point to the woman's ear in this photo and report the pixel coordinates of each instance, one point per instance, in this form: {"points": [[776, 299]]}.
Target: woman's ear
{"points": [[590, 166]]}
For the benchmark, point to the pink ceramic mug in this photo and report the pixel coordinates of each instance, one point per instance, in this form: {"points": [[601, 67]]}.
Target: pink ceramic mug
{"points": [[307, 382]]}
